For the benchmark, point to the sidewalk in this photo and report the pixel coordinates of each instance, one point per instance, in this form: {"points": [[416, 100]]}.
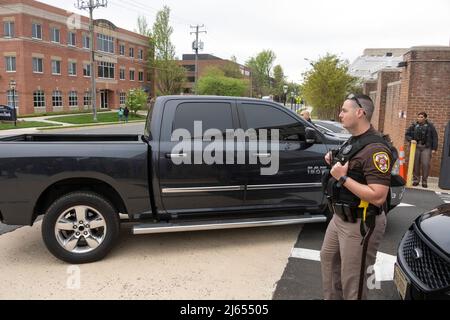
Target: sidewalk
{"points": [[433, 185], [61, 125]]}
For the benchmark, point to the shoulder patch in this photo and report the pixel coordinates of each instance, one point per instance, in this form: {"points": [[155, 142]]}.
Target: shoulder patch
{"points": [[381, 161]]}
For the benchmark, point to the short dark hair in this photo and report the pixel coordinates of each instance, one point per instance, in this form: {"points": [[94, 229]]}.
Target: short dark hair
{"points": [[423, 113], [364, 102]]}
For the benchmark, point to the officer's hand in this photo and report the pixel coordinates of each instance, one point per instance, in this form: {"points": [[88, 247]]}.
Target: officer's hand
{"points": [[413, 141], [339, 170], [328, 157], [433, 151]]}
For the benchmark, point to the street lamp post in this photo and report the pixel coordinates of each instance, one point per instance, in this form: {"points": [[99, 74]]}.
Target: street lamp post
{"points": [[285, 89], [12, 86]]}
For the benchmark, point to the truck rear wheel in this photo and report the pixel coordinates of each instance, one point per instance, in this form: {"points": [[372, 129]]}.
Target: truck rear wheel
{"points": [[80, 227]]}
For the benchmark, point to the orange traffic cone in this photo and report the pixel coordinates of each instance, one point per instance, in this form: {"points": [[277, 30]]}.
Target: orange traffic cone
{"points": [[401, 161]]}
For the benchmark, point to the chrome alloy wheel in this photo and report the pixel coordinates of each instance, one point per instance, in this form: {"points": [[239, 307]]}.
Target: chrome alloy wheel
{"points": [[80, 229]]}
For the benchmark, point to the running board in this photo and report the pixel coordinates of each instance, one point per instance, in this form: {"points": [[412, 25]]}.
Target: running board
{"points": [[164, 227]]}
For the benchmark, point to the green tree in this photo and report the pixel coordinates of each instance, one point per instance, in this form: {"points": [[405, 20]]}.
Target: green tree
{"points": [[169, 75], [326, 85], [279, 82], [143, 27], [261, 67], [136, 99], [215, 82]]}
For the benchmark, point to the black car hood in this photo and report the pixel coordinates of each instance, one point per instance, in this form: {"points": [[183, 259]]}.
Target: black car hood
{"points": [[436, 226]]}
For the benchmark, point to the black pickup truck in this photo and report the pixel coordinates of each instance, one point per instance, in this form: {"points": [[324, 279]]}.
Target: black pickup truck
{"points": [[87, 185]]}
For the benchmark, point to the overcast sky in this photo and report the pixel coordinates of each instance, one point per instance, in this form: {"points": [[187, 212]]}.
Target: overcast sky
{"points": [[294, 30]]}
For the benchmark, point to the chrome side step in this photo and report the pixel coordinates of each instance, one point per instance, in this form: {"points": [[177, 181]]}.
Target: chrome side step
{"points": [[164, 227]]}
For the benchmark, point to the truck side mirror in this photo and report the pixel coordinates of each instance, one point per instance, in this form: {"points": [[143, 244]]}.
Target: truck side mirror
{"points": [[311, 136]]}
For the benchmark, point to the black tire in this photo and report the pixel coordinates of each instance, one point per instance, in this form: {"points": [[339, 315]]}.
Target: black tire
{"points": [[110, 219]]}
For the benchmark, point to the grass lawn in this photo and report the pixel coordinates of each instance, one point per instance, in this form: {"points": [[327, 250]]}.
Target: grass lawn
{"points": [[101, 117], [24, 124]]}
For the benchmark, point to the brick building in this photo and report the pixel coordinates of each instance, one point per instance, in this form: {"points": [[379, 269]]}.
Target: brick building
{"points": [[420, 83], [205, 61], [46, 50]]}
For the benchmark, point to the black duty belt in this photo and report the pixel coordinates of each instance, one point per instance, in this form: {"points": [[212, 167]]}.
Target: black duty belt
{"points": [[348, 213]]}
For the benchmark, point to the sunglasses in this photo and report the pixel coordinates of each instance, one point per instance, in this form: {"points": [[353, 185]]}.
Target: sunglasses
{"points": [[351, 96]]}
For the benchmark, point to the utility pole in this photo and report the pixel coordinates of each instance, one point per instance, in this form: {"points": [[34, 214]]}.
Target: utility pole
{"points": [[91, 5], [196, 46]]}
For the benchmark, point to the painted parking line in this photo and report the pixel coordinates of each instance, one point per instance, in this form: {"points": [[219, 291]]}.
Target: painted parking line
{"points": [[384, 265]]}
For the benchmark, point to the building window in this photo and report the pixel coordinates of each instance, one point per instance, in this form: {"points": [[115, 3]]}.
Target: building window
{"points": [[140, 54], [106, 70], [57, 98], [73, 99], [122, 98], [105, 43], [10, 63], [56, 67], [38, 65], [141, 76], [36, 31], [72, 68], [56, 35], [87, 70], [189, 67], [131, 75], [132, 52], [39, 99], [72, 39], [149, 76], [86, 42], [87, 101], [190, 79], [122, 49], [8, 29], [122, 74], [10, 101]]}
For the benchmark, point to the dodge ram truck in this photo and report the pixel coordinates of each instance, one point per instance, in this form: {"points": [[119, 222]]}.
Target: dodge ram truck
{"points": [[171, 178]]}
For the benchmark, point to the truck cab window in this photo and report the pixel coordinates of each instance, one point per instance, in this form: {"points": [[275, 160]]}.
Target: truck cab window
{"points": [[213, 115], [267, 117]]}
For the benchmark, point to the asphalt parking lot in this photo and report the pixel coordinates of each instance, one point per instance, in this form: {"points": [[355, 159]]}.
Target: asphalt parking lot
{"points": [[260, 263]]}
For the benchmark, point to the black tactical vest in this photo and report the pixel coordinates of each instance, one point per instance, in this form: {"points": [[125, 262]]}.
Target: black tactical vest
{"points": [[339, 194]]}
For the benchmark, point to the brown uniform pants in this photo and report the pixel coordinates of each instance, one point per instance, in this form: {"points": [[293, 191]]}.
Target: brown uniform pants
{"points": [[422, 160], [341, 257]]}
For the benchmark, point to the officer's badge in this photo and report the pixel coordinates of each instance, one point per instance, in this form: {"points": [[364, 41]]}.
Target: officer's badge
{"points": [[347, 149], [381, 161]]}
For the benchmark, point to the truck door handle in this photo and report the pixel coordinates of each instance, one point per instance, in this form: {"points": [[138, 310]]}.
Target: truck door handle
{"points": [[175, 155], [262, 155]]}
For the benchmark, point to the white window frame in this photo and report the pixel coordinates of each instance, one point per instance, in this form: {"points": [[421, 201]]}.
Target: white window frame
{"points": [[122, 49], [141, 76], [86, 41], [86, 68], [131, 52], [9, 32], [140, 54], [122, 75], [53, 34], [105, 43], [87, 98], [39, 98], [9, 99], [54, 63], [10, 63], [71, 39], [73, 98], [37, 65], [132, 72], [122, 98], [34, 31], [57, 100], [72, 69], [106, 65]]}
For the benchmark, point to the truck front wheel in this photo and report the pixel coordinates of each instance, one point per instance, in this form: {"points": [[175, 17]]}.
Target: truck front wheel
{"points": [[80, 227]]}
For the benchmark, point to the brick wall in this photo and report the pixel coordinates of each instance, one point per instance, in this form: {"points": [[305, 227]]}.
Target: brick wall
{"points": [[368, 86], [394, 121], [426, 87], [385, 76]]}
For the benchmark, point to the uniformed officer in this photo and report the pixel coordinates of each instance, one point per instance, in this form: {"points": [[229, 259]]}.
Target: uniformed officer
{"points": [[425, 134], [357, 187]]}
